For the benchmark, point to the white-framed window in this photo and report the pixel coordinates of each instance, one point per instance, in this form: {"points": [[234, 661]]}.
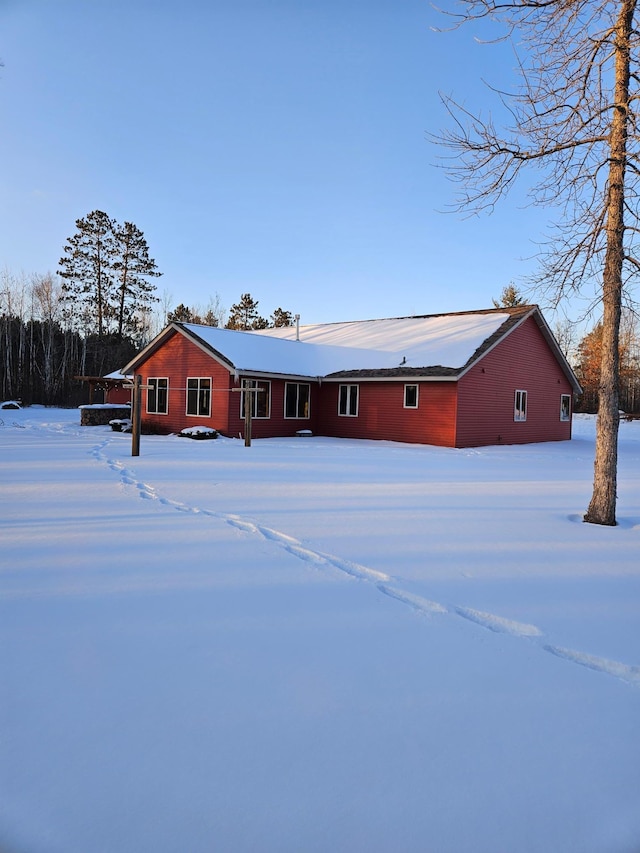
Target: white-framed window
{"points": [[157, 396], [261, 401], [520, 406], [199, 396], [411, 396], [297, 396], [348, 400], [565, 407]]}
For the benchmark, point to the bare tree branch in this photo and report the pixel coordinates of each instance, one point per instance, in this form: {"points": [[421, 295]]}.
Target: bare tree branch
{"points": [[572, 123]]}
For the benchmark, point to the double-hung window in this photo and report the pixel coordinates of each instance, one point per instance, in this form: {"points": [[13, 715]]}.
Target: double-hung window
{"points": [[520, 406], [296, 399], [348, 401], [411, 396], [565, 407], [157, 396], [260, 399], [199, 396]]}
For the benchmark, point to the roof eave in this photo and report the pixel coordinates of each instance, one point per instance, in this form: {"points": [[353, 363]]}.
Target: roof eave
{"points": [[514, 323], [167, 333]]}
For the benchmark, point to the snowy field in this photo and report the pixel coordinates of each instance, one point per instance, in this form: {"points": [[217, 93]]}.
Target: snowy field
{"points": [[314, 645]]}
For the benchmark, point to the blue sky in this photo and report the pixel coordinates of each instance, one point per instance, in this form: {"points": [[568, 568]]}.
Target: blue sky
{"points": [[277, 147]]}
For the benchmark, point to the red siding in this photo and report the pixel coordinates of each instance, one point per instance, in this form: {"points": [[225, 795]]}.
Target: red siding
{"points": [[477, 410], [522, 361], [118, 394], [177, 359], [381, 413], [276, 424]]}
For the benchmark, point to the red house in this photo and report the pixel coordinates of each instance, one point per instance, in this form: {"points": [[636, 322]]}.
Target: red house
{"points": [[457, 380]]}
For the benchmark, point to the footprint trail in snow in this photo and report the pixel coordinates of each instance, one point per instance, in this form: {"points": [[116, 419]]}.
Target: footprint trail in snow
{"points": [[318, 559]]}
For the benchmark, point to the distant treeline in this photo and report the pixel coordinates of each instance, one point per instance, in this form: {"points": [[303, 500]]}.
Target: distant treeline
{"points": [[40, 361]]}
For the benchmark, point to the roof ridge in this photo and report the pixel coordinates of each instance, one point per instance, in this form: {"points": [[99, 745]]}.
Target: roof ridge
{"points": [[515, 310]]}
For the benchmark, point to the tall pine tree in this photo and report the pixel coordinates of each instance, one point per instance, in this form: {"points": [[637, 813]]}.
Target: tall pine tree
{"points": [[87, 272], [133, 268], [106, 270]]}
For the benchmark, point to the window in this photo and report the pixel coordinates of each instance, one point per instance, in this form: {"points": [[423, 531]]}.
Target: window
{"points": [[260, 401], [520, 408], [199, 397], [411, 396], [296, 400], [348, 400], [565, 407], [157, 396]]}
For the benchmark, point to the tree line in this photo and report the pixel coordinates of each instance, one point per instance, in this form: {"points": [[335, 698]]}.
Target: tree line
{"points": [[87, 320], [40, 352], [42, 349], [91, 317], [243, 315], [587, 361]]}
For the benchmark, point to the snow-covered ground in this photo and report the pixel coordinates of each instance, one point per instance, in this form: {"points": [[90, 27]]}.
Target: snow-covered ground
{"points": [[314, 645]]}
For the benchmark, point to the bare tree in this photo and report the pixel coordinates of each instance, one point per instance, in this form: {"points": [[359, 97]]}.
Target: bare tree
{"points": [[574, 121], [46, 295], [564, 331]]}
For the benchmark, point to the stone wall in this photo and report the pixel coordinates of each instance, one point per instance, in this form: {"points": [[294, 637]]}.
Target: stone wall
{"points": [[102, 413]]}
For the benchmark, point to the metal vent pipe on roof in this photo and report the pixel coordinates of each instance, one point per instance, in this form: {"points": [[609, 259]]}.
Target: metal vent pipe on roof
{"points": [[297, 319]]}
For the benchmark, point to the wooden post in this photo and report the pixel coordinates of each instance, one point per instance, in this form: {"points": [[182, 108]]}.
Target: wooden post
{"points": [[136, 420], [136, 412], [248, 390], [248, 405]]}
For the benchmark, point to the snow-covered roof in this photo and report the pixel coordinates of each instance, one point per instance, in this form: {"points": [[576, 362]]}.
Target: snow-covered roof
{"points": [[437, 346], [411, 342]]}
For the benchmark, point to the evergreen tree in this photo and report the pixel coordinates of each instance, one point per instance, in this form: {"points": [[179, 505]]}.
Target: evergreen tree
{"points": [[244, 315], [204, 317], [133, 268], [210, 318], [87, 272], [509, 298], [180, 314], [106, 270], [281, 318]]}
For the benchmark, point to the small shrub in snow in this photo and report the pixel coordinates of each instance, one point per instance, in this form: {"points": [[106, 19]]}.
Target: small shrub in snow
{"points": [[10, 404], [198, 432]]}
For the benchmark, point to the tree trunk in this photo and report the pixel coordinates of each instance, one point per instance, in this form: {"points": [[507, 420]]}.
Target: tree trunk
{"points": [[602, 508]]}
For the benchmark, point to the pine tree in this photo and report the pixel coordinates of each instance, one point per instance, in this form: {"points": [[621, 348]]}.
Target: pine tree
{"points": [[87, 272], [281, 318], [133, 268], [509, 298], [244, 315], [212, 315], [180, 314], [106, 270]]}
